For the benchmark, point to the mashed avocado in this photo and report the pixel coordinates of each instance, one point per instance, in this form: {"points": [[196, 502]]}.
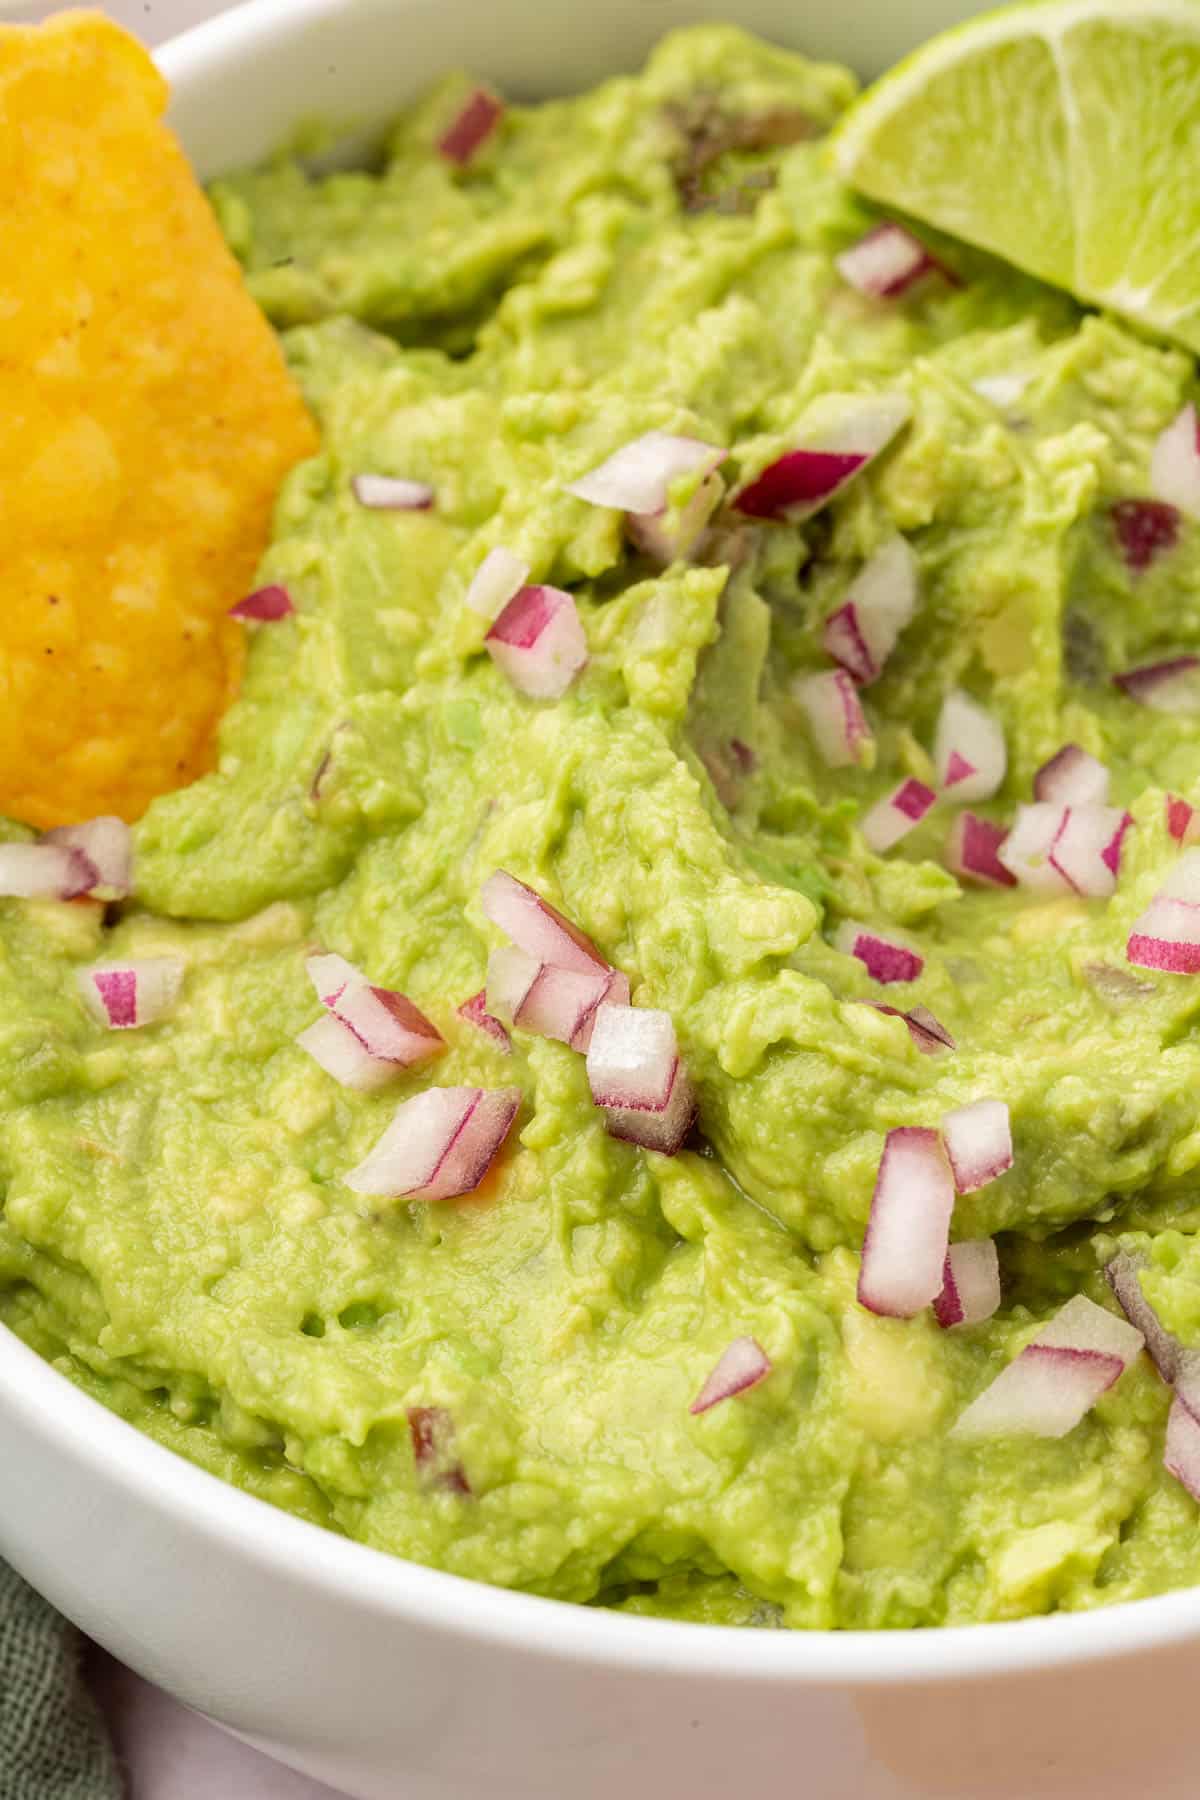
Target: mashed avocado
{"points": [[176, 1234]]}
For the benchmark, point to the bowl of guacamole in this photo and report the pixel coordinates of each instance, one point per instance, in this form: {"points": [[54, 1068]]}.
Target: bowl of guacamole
{"points": [[655, 1070]]}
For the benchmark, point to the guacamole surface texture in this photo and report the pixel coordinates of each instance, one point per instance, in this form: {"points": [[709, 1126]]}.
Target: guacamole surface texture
{"points": [[176, 1234]]}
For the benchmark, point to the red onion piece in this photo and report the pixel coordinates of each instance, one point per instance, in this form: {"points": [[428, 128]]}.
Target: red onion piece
{"points": [[1181, 1452], [334, 1047], [639, 476], [892, 819], [264, 605], [904, 1252], [561, 1003], [537, 927], [1166, 936], [1026, 851], [331, 974], [1172, 686], [978, 1143], [878, 604], [434, 1439], [45, 872], [1183, 821], [475, 1010], [928, 1034], [511, 973], [538, 641], [1143, 528], [884, 959], [886, 262], [969, 752], [616, 993], [387, 1024], [835, 718], [107, 843], [1057, 1378], [803, 480], [391, 493], [440, 1144], [125, 995], [1175, 464], [664, 1131], [1123, 1276], [671, 537], [973, 851], [632, 1058], [500, 576], [970, 1284], [1086, 850], [474, 124], [741, 1368], [1072, 778]]}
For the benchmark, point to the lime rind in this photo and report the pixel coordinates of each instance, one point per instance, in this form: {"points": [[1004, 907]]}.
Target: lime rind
{"points": [[1062, 135]]}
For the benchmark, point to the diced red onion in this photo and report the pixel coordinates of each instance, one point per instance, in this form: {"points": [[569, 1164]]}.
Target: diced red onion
{"points": [[1183, 821], [1002, 390], [500, 576], [632, 1058], [1181, 1452], [474, 123], [1025, 852], [391, 493], [884, 959], [538, 641], [886, 262], [1186, 1379], [741, 1368], [969, 750], [835, 717], [1143, 528], [978, 1141], [878, 604], [970, 1284], [45, 872], [1166, 936], [639, 476], [669, 537], [1123, 1275], [1172, 686], [107, 843], [904, 1252], [1072, 778], [264, 605], [334, 1047], [928, 1034], [1183, 879], [330, 974], [973, 851], [1086, 850], [561, 1003], [803, 480], [535, 926], [894, 817], [124, 995], [434, 1442], [1057, 1378], [616, 993], [441, 1143], [664, 1131], [475, 1010], [511, 973], [1175, 464], [387, 1024]]}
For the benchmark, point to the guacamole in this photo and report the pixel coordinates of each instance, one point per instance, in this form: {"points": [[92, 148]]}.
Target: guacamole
{"points": [[177, 1235]]}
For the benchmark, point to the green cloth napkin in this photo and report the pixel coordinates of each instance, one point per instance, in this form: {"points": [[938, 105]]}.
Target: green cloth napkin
{"points": [[53, 1745]]}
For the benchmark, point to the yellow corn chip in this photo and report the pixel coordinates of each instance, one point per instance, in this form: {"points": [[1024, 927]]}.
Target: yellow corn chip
{"points": [[148, 420]]}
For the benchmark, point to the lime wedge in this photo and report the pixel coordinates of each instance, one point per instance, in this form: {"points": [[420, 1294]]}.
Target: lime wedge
{"points": [[1062, 135]]}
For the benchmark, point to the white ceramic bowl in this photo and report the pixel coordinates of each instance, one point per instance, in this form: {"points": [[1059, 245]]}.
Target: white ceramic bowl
{"points": [[399, 1683]]}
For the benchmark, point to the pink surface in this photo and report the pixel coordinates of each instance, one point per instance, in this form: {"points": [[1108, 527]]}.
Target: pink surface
{"points": [[169, 1753]]}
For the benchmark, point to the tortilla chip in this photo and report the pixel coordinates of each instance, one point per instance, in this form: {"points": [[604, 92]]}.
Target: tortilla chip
{"points": [[148, 421]]}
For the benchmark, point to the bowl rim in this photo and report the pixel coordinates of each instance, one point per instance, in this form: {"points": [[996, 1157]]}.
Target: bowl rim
{"points": [[49, 1407]]}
